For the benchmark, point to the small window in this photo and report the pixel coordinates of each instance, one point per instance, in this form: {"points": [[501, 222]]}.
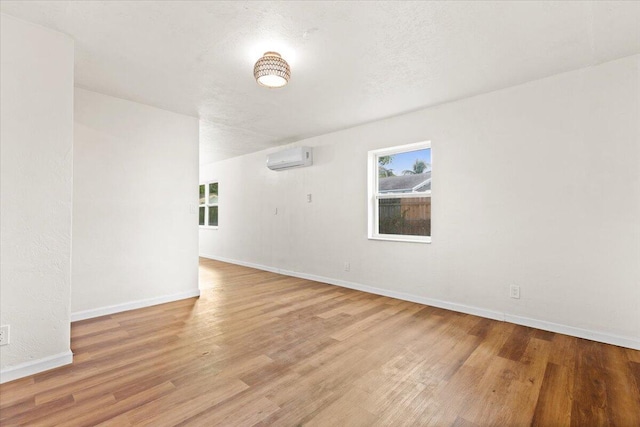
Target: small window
{"points": [[400, 193], [208, 209]]}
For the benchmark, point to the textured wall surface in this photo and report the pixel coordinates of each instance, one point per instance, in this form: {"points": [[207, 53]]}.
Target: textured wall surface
{"points": [[537, 185], [135, 227], [36, 198]]}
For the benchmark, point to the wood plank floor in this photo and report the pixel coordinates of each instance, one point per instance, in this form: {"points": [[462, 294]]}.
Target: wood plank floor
{"points": [[262, 349]]}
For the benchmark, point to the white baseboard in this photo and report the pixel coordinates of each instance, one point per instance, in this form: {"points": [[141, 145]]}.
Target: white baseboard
{"points": [[132, 305], [243, 263], [35, 366], [574, 332], [606, 338], [399, 295]]}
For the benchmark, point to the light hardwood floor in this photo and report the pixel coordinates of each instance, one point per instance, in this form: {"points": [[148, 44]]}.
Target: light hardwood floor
{"points": [[259, 348]]}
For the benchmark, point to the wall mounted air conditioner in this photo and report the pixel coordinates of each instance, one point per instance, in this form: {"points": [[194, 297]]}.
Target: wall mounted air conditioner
{"points": [[291, 158]]}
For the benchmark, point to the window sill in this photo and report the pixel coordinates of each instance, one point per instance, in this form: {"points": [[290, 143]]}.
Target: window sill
{"points": [[208, 227], [398, 238]]}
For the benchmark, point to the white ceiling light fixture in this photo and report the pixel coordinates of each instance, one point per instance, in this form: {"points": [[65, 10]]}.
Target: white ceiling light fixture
{"points": [[272, 70]]}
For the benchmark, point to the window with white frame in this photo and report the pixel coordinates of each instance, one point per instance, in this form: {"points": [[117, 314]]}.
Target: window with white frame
{"points": [[400, 193], [208, 209]]}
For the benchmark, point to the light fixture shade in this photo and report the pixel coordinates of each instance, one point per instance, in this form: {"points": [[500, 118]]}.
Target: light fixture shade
{"points": [[271, 70]]}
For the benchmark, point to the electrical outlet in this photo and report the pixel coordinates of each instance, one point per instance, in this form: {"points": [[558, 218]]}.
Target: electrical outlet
{"points": [[514, 291], [308, 198], [4, 334], [347, 266]]}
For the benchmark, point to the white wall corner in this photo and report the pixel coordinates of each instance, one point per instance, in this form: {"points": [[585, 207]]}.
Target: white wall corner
{"points": [[36, 366], [36, 112], [132, 305]]}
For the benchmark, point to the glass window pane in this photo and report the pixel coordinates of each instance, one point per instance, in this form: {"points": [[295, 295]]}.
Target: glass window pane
{"points": [[202, 194], [213, 193], [202, 215], [407, 172], [405, 216], [213, 216]]}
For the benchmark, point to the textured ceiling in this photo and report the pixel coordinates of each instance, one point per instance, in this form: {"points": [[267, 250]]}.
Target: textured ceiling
{"points": [[352, 62]]}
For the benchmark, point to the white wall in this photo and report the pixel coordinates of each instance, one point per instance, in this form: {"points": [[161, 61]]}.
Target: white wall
{"points": [[536, 185], [135, 232], [36, 122]]}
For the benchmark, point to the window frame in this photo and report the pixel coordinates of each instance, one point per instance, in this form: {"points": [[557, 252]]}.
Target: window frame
{"points": [[206, 205], [373, 195]]}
